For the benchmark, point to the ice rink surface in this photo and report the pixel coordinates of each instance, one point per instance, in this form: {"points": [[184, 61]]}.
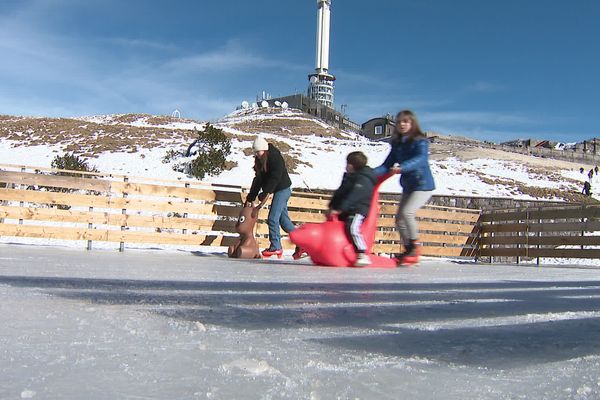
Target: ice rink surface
{"points": [[100, 324]]}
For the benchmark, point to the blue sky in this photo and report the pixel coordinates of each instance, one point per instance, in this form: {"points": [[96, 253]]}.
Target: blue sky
{"points": [[492, 69]]}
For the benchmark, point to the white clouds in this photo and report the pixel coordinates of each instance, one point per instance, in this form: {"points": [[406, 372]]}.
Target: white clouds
{"points": [[25, 50], [485, 87], [230, 57], [364, 78], [478, 117], [100, 57], [35, 58], [370, 106], [481, 125], [140, 44], [53, 75], [74, 75]]}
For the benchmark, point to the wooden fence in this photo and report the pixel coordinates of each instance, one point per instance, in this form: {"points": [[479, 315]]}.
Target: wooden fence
{"points": [[553, 232], [73, 205]]}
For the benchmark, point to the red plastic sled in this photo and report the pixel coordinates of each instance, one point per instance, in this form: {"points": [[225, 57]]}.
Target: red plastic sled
{"points": [[328, 245]]}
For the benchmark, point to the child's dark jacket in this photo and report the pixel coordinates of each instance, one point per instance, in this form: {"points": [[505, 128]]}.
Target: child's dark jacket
{"points": [[355, 193]]}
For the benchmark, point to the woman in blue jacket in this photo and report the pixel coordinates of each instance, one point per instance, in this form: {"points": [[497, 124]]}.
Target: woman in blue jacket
{"points": [[409, 156]]}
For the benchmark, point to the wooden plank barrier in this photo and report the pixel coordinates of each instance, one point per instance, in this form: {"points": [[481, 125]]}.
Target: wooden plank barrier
{"points": [[551, 232], [445, 231], [96, 207], [74, 205]]}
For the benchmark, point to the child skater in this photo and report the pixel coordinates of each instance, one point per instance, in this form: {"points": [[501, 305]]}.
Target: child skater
{"points": [[352, 200], [409, 156]]}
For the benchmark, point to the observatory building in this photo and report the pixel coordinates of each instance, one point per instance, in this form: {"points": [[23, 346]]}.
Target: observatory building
{"points": [[320, 87], [319, 98]]}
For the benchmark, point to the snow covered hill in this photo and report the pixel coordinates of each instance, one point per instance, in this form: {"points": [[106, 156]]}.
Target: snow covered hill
{"points": [[137, 144]]}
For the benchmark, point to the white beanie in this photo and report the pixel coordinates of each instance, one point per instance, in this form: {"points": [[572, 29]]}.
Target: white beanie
{"points": [[260, 144]]}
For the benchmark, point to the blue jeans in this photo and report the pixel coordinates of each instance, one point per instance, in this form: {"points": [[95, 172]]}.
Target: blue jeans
{"points": [[278, 215]]}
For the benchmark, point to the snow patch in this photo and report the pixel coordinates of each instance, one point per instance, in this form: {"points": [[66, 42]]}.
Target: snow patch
{"points": [[28, 394], [250, 367]]}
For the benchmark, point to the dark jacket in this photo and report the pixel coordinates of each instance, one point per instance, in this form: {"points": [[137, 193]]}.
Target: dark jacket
{"points": [[413, 158], [274, 179], [355, 193]]}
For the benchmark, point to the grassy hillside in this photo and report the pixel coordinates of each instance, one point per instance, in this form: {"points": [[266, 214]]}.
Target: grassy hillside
{"points": [[462, 166]]}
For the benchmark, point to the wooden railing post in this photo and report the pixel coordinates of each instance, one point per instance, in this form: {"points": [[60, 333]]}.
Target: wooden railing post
{"points": [[477, 238], [582, 229], [539, 235], [491, 245], [89, 242], [185, 215], [518, 244], [124, 212], [527, 226], [21, 203]]}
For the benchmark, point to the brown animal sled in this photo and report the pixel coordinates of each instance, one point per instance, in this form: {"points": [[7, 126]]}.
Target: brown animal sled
{"points": [[247, 246]]}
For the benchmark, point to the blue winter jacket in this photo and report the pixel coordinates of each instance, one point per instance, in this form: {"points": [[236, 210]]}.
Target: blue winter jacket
{"points": [[412, 157]]}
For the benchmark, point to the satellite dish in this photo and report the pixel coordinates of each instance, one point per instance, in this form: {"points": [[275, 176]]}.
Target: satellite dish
{"points": [[264, 104], [254, 105], [284, 105], [245, 104], [176, 114], [313, 79], [277, 103]]}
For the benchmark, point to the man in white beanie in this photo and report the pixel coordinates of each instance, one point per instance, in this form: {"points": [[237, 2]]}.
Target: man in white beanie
{"points": [[272, 177]]}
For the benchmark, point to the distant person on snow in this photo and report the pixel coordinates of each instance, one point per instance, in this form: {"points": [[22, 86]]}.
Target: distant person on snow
{"points": [[352, 200], [271, 176], [409, 156], [587, 188]]}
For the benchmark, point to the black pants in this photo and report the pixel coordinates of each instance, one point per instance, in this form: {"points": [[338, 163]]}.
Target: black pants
{"points": [[353, 224]]}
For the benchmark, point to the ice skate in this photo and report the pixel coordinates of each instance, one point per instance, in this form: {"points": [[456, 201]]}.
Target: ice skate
{"points": [[362, 260], [266, 253]]}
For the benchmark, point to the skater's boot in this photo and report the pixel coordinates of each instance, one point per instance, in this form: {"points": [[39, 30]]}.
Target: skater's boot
{"points": [[362, 260], [398, 256], [411, 255], [266, 253], [299, 253]]}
